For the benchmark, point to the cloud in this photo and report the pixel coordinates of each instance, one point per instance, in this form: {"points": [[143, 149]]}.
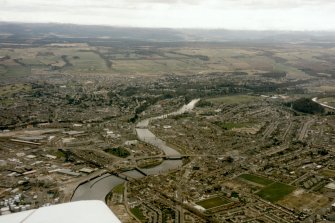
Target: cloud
{"points": [[271, 4], [232, 14]]}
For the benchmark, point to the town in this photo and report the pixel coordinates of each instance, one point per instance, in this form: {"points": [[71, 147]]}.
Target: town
{"points": [[241, 142]]}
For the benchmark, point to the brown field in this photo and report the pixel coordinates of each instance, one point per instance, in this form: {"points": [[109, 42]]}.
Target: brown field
{"points": [[300, 200]]}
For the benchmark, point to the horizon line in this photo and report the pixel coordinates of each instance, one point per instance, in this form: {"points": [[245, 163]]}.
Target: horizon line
{"points": [[167, 28]]}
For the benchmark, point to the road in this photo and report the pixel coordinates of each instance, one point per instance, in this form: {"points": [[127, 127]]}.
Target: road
{"points": [[322, 104], [305, 128]]}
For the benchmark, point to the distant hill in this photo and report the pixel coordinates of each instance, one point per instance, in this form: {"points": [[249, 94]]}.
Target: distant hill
{"points": [[16, 32]]}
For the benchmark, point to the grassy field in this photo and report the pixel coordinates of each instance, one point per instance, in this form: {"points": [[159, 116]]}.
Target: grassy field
{"points": [[22, 61], [162, 60], [161, 66], [229, 59], [119, 189], [14, 88], [292, 72], [328, 173], [329, 101], [138, 213], [236, 99], [16, 71], [256, 179], [86, 62], [3, 70], [276, 191], [213, 202]]}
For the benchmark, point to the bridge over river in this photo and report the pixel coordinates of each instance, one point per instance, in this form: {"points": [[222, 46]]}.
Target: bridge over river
{"points": [[99, 187]]}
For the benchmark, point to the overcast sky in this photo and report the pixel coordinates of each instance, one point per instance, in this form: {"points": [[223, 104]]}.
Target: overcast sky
{"points": [[229, 14]]}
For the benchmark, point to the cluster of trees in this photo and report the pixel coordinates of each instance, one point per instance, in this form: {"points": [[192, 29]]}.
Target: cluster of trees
{"points": [[7, 57], [84, 98], [306, 105], [66, 61], [149, 101], [118, 151], [197, 56], [274, 74], [204, 103]]}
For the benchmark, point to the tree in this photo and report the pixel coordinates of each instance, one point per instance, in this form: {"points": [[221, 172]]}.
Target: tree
{"points": [[306, 105]]}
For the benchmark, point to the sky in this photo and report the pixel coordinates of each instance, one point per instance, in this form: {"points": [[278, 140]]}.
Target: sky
{"points": [[227, 14]]}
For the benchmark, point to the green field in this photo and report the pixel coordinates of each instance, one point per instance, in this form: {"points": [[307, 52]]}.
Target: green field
{"points": [[162, 60], [292, 72], [329, 101], [138, 213], [9, 90], [276, 191], [119, 189], [86, 62], [238, 99], [15, 71], [213, 202], [81, 58], [3, 70], [256, 179], [162, 66], [328, 173]]}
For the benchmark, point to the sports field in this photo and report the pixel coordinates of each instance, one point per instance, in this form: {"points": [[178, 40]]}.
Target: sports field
{"points": [[276, 191], [256, 179], [213, 202]]}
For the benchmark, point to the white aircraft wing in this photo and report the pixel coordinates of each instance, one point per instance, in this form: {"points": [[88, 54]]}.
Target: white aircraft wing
{"points": [[79, 211]]}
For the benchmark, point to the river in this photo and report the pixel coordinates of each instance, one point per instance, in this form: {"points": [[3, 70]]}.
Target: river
{"points": [[98, 188]]}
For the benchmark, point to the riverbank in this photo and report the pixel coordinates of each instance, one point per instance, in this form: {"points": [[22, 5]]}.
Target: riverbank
{"points": [[99, 187]]}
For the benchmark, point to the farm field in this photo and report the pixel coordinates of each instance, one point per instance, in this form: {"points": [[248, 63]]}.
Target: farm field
{"points": [[163, 59]]}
